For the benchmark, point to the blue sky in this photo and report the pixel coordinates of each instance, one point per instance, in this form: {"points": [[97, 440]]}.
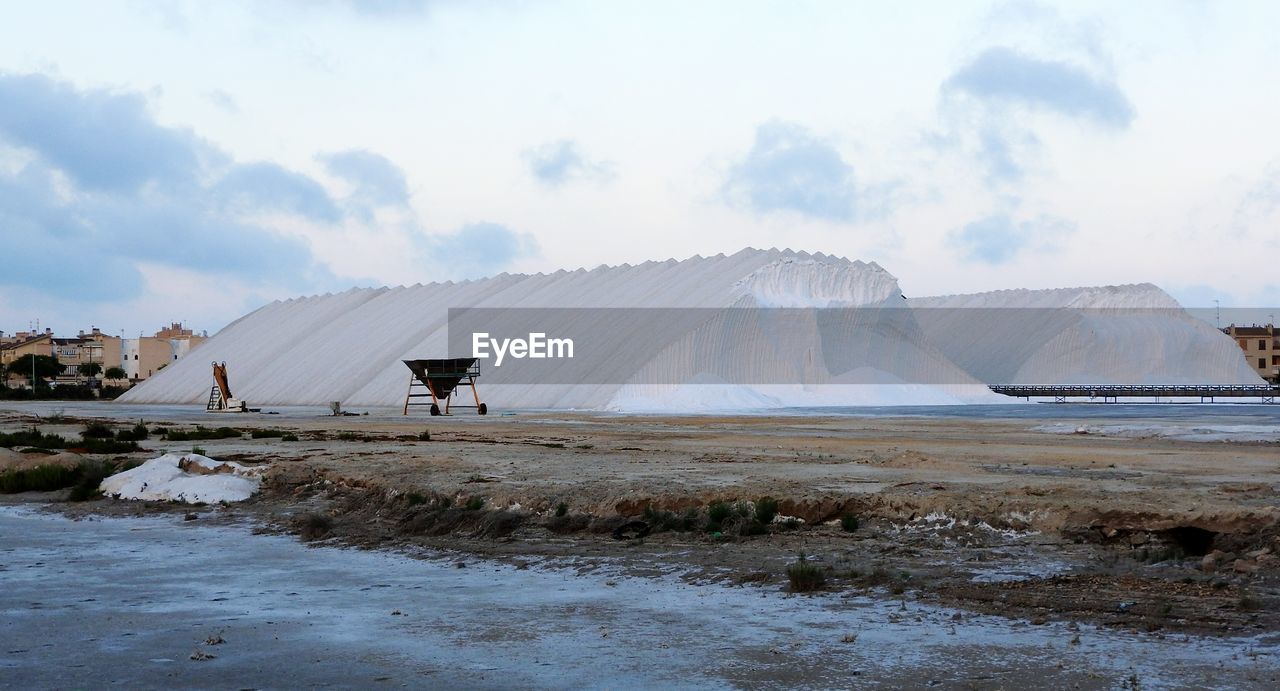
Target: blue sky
{"points": [[195, 160]]}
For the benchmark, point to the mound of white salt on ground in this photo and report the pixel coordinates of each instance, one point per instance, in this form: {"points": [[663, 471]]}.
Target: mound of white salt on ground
{"points": [[707, 343], [1131, 334], [189, 478]]}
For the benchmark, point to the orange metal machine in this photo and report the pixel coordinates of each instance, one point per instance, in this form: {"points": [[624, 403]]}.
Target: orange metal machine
{"points": [[220, 398], [441, 378]]}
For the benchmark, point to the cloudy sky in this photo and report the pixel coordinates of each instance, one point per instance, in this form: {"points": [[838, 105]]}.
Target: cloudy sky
{"points": [[195, 160]]}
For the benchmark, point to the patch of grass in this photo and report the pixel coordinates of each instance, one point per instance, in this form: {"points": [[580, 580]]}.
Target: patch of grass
{"points": [[562, 509], [766, 510], [1247, 602], [266, 434], [91, 476], [717, 513], [199, 451], [42, 452], [849, 523], [42, 478], [138, 432], [424, 435], [97, 430], [315, 526], [875, 577], [668, 520], [107, 446], [32, 438], [474, 504], [805, 576], [127, 464], [415, 498], [202, 434], [289, 437]]}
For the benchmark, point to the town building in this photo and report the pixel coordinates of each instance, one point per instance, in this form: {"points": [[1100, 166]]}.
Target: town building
{"points": [[91, 348], [15, 346], [1261, 346], [143, 356]]}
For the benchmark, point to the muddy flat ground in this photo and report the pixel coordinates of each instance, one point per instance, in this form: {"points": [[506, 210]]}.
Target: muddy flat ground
{"points": [[989, 515]]}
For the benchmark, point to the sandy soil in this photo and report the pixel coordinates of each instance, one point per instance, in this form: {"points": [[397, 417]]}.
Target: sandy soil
{"points": [[988, 515]]}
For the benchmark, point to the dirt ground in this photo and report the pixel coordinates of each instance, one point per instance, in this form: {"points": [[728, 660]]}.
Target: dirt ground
{"points": [[982, 515]]}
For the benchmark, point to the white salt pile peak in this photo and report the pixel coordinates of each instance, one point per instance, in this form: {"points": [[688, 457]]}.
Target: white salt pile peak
{"points": [[189, 478], [348, 347], [1133, 334]]}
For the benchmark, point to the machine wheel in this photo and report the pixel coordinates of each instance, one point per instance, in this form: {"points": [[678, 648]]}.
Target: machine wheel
{"points": [[435, 409], [483, 409]]}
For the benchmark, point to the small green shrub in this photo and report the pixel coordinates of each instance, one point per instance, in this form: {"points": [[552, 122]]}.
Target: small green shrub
{"points": [[91, 476], [717, 512], [289, 437], [137, 433], [199, 451], [667, 520], [110, 393], [475, 503], [202, 434], [314, 526], [32, 438], [415, 498], [561, 509], [108, 446], [849, 523], [97, 430], [266, 434], [424, 435], [805, 576], [766, 510], [42, 478], [127, 464]]}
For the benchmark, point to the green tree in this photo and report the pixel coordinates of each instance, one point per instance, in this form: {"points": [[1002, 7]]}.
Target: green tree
{"points": [[115, 373], [89, 369], [46, 366]]}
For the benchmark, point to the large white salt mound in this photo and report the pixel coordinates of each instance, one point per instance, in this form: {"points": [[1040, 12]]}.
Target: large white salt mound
{"points": [[1131, 334], [163, 479], [348, 347]]}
